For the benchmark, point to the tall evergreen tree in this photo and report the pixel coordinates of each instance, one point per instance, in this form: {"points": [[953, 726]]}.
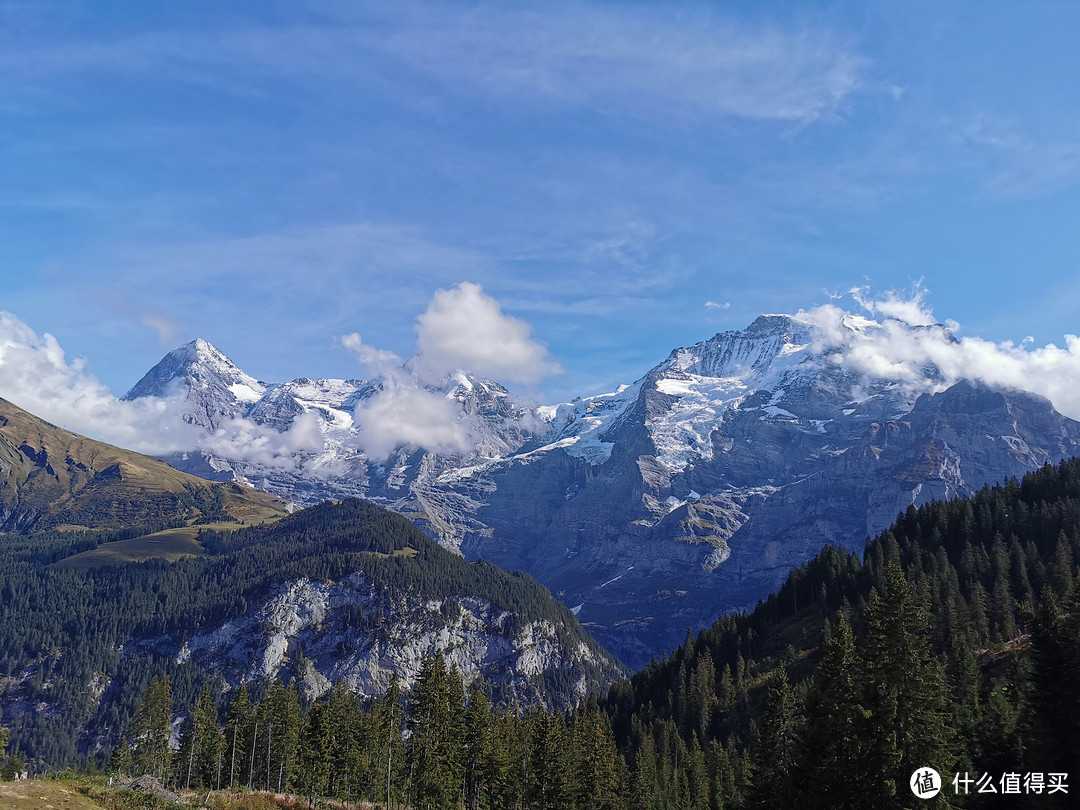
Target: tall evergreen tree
{"points": [[830, 738], [315, 754], [279, 715], [906, 721], [239, 734], [775, 750], [435, 746], [201, 743], [595, 758], [151, 729]]}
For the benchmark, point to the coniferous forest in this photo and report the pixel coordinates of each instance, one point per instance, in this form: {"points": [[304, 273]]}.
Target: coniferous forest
{"points": [[952, 642]]}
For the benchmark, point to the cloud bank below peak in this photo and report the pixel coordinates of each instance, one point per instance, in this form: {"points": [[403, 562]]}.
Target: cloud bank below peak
{"points": [[908, 338], [36, 375]]}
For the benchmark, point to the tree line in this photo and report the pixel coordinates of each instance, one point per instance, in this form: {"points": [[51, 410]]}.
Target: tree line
{"points": [[432, 746]]}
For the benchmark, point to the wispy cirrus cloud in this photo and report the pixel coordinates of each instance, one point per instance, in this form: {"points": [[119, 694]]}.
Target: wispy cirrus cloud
{"points": [[625, 59], [1020, 165], [640, 60]]}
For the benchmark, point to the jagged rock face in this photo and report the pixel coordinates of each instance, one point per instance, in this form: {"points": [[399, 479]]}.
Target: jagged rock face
{"points": [[360, 633], [694, 490]]}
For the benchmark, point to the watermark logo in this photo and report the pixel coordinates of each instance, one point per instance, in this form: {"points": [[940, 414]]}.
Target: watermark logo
{"points": [[925, 783]]}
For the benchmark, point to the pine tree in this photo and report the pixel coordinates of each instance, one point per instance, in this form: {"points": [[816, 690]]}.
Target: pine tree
{"points": [[387, 756], [201, 742], [239, 732], [774, 753], [1054, 698], [906, 724], [120, 762], [151, 729], [279, 715], [644, 793], [314, 765], [435, 745], [551, 781], [479, 726], [596, 770], [345, 741], [830, 739]]}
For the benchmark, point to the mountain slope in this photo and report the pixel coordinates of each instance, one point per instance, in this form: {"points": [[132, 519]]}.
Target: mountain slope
{"points": [[726, 465], [339, 591], [51, 477], [214, 388]]}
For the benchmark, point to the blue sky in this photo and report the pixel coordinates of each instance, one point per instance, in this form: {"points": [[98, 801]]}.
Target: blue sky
{"points": [[623, 177]]}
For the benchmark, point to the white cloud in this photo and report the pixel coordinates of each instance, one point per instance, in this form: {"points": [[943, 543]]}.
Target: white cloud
{"points": [[404, 414], [715, 305], [245, 440], [465, 329], [635, 60], [910, 309], [380, 361], [120, 304], [36, 375], [908, 342], [622, 58], [158, 320], [1025, 166], [462, 329]]}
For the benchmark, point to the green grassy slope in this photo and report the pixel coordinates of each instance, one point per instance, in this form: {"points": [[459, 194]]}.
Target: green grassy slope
{"points": [[52, 478]]}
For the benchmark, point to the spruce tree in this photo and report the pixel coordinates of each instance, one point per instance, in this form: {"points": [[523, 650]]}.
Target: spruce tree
{"points": [[774, 753], [830, 738], [239, 729], [435, 745], [906, 724], [596, 770], [151, 729]]}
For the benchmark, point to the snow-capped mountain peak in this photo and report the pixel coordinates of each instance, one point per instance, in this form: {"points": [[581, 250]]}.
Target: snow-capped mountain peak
{"points": [[692, 490], [214, 387]]}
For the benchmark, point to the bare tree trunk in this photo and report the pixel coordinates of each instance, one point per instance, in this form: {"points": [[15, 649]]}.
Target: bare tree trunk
{"points": [[251, 765], [269, 733], [232, 760]]}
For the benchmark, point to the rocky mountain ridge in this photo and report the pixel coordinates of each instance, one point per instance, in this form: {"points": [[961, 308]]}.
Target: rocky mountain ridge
{"points": [[689, 492]]}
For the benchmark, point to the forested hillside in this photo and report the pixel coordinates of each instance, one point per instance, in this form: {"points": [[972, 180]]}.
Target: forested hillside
{"points": [[79, 644], [953, 644]]}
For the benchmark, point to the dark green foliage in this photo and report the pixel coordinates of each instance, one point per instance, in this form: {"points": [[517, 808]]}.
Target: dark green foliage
{"points": [[1055, 697], [199, 761], [775, 750], [954, 643], [437, 724], [901, 686]]}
